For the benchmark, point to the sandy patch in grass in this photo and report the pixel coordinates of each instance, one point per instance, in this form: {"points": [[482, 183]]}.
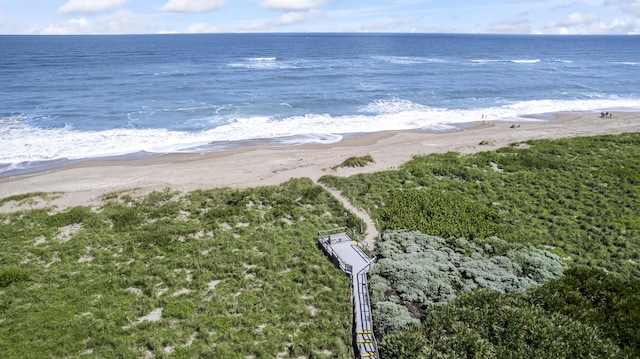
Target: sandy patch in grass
{"points": [[181, 292], [494, 166], [65, 233], [161, 291], [191, 339], [56, 258], [212, 285], [85, 259], [39, 240], [135, 291], [154, 316], [202, 234], [313, 310]]}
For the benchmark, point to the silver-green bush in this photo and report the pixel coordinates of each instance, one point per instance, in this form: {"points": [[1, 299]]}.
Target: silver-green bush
{"points": [[418, 270]]}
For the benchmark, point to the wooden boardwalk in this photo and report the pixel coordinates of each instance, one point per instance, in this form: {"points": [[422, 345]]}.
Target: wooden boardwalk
{"points": [[354, 258]]}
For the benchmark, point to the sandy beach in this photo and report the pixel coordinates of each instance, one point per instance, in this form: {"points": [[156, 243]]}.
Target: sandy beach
{"points": [[85, 183]]}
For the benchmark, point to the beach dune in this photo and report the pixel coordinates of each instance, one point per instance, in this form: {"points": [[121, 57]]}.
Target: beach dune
{"points": [[86, 182]]}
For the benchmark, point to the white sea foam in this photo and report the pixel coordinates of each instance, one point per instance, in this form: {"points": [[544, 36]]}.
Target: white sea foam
{"points": [[483, 61], [263, 63], [23, 143], [408, 60], [262, 59], [534, 61], [515, 61]]}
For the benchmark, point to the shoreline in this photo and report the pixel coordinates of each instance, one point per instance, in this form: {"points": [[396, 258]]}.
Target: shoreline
{"points": [[85, 182]]}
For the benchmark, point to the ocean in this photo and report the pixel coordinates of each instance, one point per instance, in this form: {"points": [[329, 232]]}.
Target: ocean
{"points": [[65, 99]]}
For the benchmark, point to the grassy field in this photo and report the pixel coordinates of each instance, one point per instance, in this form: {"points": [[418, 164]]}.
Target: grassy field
{"points": [[218, 274]]}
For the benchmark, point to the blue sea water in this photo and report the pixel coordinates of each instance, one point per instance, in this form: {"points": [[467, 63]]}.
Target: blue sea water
{"points": [[65, 98]]}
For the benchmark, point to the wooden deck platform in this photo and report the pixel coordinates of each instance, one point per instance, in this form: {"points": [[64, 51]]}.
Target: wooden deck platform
{"points": [[355, 259]]}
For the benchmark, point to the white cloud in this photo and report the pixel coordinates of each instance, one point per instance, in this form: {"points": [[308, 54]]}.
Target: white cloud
{"points": [[193, 5], [291, 4], [511, 27], [288, 18], [297, 16], [89, 7], [201, 27], [74, 26], [574, 20], [120, 22], [384, 25], [621, 26], [627, 6]]}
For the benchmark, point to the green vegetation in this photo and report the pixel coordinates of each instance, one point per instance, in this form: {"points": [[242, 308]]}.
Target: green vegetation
{"points": [[220, 274], [578, 198], [440, 213], [585, 314], [356, 162], [10, 275], [26, 197], [415, 271], [487, 324], [469, 265]]}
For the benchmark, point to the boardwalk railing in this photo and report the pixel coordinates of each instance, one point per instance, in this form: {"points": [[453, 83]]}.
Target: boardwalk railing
{"points": [[365, 340], [360, 256], [350, 235]]}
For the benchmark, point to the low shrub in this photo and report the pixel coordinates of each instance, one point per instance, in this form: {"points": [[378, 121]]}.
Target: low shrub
{"points": [[12, 275], [356, 162]]}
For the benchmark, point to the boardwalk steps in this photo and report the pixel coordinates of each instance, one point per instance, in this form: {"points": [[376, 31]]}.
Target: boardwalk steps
{"points": [[354, 258]]}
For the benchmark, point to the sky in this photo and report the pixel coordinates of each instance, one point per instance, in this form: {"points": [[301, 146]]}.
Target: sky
{"points": [[58, 17]]}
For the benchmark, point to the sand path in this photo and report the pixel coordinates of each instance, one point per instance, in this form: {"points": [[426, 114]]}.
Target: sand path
{"points": [[372, 233]]}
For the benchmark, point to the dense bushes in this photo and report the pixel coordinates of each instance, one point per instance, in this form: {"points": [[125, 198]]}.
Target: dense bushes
{"points": [[586, 313], [445, 214], [418, 270], [488, 324], [600, 299]]}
